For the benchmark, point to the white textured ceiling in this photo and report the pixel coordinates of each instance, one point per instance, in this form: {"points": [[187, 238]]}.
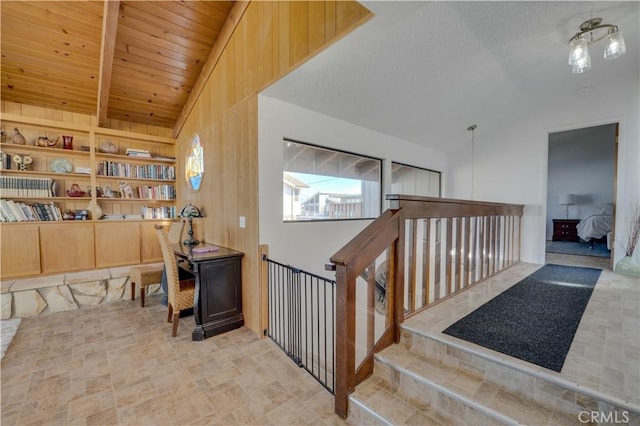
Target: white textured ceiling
{"points": [[425, 71]]}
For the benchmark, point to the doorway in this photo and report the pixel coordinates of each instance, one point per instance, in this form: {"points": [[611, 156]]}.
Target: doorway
{"points": [[581, 182]]}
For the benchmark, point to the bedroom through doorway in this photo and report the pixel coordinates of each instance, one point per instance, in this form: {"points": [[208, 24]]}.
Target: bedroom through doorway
{"points": [[581, 185]]}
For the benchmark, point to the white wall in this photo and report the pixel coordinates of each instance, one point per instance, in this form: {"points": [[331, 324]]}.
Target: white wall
{"points": [[309, 245], [510, 165]]}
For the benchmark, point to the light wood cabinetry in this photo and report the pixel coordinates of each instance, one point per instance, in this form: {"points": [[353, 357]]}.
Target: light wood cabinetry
{"points": [[54, 246], [127, 253], [66, 247], [20, 248], [150, 249]]}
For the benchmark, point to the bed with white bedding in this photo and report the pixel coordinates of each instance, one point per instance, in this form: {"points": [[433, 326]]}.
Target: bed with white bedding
{"points": [[595, 227]]}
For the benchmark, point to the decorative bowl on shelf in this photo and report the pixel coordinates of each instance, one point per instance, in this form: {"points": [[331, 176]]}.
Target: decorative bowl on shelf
{"points": [[75, 191], [108, 147], [60, 165]]}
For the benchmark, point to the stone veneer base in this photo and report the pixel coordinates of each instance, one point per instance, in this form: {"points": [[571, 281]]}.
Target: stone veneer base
{"points": [[28, 297]]}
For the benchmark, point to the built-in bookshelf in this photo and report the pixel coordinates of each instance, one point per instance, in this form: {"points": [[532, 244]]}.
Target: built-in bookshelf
{"points": [[82, 206], [98, 166]]}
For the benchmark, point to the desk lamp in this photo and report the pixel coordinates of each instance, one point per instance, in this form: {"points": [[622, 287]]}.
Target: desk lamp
{"points": [[190, 211]]}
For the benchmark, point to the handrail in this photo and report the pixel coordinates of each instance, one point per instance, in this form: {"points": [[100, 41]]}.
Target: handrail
{"points": [[451, 244]]}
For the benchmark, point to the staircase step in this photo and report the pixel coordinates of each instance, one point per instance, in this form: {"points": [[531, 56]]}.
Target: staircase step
{"points": [[375, 403], [437, 380], [545, 387], [458, 394]]}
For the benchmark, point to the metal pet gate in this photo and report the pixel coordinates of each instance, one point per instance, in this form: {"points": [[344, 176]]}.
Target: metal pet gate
{"points": [[301, 319]]}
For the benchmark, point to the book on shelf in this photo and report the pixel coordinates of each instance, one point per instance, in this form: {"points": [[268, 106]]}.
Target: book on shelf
{"points": [[15, 211], [81, 215], [205, 249], [20, 186], [164, 158], [132, 152], [113, 217], [133, 216], [7, 211], [6, 160]]}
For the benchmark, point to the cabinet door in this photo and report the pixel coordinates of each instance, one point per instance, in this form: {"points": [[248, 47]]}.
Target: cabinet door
{"points": [[20, 250], [66, 247], [221, 289], [151, 251], [117, 244]]}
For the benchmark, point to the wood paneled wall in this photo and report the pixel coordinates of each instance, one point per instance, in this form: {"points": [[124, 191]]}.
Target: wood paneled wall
{"points": [[270, 40], [84, 119]]}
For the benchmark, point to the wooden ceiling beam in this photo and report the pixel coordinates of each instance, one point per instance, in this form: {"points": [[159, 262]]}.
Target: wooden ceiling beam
{"points": [[109, 31], [223, 38]]}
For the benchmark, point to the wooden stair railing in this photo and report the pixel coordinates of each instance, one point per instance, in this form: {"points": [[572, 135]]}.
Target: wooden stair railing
{"points": [[438, 246]]}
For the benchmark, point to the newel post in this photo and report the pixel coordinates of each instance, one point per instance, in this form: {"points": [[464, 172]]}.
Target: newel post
{"points": [[345, 340]]}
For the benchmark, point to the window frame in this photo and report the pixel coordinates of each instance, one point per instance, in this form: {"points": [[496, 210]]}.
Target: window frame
{"points": [[340, 151], [419, 168]]}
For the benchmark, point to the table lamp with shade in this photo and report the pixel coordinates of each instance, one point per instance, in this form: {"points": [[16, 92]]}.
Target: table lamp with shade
{"points": [[190, 211], [567, 200]]}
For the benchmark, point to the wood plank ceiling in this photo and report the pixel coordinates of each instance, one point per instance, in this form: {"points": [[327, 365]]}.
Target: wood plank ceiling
{"points": [[127, 60]]}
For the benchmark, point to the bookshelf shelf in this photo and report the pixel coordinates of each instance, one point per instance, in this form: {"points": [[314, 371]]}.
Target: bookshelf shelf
{"points": [[143, 174], [32, 149], [96, 236], [52, 175]]}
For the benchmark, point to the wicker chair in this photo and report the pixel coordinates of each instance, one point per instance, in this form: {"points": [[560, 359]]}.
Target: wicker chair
{"points": [[145, 275], [181, 292]]}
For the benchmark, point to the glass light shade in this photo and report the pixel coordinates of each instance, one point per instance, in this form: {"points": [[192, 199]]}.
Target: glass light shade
{"points": [[578, 51], [582, 65], [615, 45]]}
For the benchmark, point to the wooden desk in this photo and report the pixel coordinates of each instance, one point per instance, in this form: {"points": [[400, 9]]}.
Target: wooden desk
{"points": [[217, 304]]}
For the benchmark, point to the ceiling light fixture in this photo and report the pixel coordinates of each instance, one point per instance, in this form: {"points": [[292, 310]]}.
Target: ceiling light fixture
{"points": [[592, 31]]}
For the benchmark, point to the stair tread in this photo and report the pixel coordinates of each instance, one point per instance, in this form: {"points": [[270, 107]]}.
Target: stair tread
{"points": [[379, 398], [473, 388]]}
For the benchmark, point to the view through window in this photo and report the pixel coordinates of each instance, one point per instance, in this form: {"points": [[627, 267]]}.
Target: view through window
{"points": [[325, 184]]}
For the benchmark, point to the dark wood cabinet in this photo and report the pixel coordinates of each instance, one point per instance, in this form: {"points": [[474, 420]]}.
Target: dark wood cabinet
{"points": [[217, 304], [565, 230]]}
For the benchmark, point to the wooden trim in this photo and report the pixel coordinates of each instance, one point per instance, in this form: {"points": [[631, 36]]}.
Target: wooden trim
{"points": [[397, 199], [345, 309], [449, 274], [235, 14], [615, 195], [397, 231], [371, 309], [426, 264], [263, 288], [484, 246], [23, 119], [467, 252], [396, 268], [458, 253], [354, 247], [109, 31], [492, 245], [413, 264], [437, 272]]}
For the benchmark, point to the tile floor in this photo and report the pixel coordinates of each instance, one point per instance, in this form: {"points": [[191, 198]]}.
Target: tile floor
{"points": [[118, 364]]}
